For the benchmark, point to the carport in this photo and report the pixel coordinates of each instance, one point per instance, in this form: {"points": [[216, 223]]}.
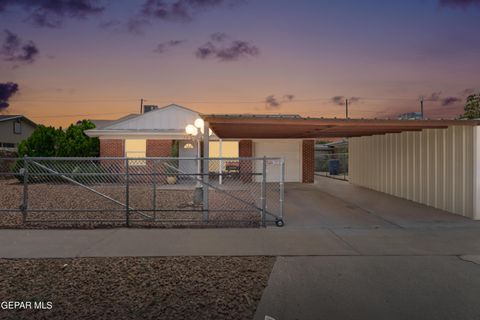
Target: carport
{"points": [[432, 162]]}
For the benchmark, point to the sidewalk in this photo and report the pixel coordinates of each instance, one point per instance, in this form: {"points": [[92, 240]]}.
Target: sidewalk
{"points": [[237, 242]]}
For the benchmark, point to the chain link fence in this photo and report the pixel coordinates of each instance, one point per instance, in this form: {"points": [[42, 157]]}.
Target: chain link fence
{"points": [[332, 165], [147, 192]]}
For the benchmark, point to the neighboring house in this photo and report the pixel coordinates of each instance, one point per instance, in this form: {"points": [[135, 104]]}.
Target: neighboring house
{"points": [[14, 129], [410, 116], [153, 133]]}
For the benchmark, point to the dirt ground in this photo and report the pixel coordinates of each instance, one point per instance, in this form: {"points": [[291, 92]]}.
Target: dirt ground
{"points": [[174, 207], [136, 288]]}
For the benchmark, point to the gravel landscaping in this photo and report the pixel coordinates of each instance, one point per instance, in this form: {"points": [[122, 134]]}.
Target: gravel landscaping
{"points": [[136, 288], [55, 196]]}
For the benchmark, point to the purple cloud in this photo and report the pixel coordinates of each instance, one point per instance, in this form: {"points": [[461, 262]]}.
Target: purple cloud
{"points": [[340, 100], [459, 3], [7, 90], [180, 10], [450, 100], [272, 103], [231, 51], [51, 13], [165, 46], [15, 50]]}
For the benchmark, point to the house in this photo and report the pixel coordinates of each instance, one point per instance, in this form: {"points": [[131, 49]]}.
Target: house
{"points": [[153, 134], [14, 129], [411, 116]]}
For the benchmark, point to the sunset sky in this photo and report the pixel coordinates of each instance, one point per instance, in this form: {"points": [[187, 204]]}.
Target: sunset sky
{"points": [[75, 59]]}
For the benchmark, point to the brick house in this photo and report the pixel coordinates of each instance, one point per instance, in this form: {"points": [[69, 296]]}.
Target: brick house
{"points": [[153, 133]]}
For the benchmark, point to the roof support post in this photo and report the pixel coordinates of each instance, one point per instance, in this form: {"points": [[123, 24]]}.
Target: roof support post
{"points": [[206, 152]]}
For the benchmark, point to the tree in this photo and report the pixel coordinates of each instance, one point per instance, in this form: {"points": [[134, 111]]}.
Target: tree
{"points": [[42, 143], [472, 107], [75, 143]]}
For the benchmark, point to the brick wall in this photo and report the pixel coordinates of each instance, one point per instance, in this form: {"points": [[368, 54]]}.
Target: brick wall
{"points": [[159, 148], [112, 148], [245, 149], [308, 161]]}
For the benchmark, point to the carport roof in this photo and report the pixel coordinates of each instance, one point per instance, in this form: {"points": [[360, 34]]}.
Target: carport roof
{"points": [[295, 127]]}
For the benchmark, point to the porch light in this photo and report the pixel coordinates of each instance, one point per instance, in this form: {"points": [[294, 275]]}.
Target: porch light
{"points": [[191, 130], [199, 123]]}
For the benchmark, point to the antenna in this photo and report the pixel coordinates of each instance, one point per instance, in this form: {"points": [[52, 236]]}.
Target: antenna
{"points": [[421, 107]]}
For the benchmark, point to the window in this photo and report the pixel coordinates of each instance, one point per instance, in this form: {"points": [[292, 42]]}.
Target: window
{"points": [[229, 149], [136, 148], [17, 127], [7, 145]]}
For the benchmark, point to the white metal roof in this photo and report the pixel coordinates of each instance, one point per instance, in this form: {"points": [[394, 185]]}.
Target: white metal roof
{"points": [[168, 122]]}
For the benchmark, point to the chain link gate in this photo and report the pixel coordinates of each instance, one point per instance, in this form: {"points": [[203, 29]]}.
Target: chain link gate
{"points": [[149, 192]]}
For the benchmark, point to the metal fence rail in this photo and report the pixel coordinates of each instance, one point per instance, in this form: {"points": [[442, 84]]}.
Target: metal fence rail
{"points": [[332, 165], [68, 192]]}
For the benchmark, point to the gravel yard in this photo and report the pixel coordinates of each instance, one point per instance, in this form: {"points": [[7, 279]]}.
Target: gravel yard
{"points": [[182, 213], [136, 288]]}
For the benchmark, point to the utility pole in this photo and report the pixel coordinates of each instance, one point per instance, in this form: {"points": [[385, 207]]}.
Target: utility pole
{"points": [[346, 108], [141, 106], [421, 107]]}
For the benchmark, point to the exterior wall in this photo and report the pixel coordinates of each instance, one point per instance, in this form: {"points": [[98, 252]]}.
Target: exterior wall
{"points": [[288, 149], [159, 148], [8, 136], [112, 148], [433, 167], [308, 161]]}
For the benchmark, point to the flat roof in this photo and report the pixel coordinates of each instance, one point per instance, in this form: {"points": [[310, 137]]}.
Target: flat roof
{"points": [[277, 127]]}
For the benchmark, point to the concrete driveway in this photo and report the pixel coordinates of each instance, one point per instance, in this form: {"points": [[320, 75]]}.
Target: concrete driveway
{"points": [[336, 204]]}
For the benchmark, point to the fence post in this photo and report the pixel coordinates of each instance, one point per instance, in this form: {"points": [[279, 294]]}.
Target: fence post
{"points": [[263, 195], [127, 196], [282, 188], [25, 190]]}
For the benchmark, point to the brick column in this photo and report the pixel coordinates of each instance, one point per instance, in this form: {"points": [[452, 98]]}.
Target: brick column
{"points": [[112, 148], [160, 148], [245, 149], [308, 161]]}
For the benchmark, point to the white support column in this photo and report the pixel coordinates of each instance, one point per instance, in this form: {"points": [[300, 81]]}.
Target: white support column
{"points": [[476, 173], [220, 164], [206, 154]]}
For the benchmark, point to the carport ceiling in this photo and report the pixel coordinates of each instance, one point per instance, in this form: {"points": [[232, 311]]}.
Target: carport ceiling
{"points": [[290, 127]]}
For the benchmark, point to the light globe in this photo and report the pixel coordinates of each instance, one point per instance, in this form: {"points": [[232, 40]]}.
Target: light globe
{"points": [[199, 123], [191, 130]]}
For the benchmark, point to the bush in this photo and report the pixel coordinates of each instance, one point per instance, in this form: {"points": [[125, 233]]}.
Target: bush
{"points": [[52, 142]]}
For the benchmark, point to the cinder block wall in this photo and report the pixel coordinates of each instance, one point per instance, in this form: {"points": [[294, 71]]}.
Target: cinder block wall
{"points": [[436, 167], [112, 148], [308, 161]]}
